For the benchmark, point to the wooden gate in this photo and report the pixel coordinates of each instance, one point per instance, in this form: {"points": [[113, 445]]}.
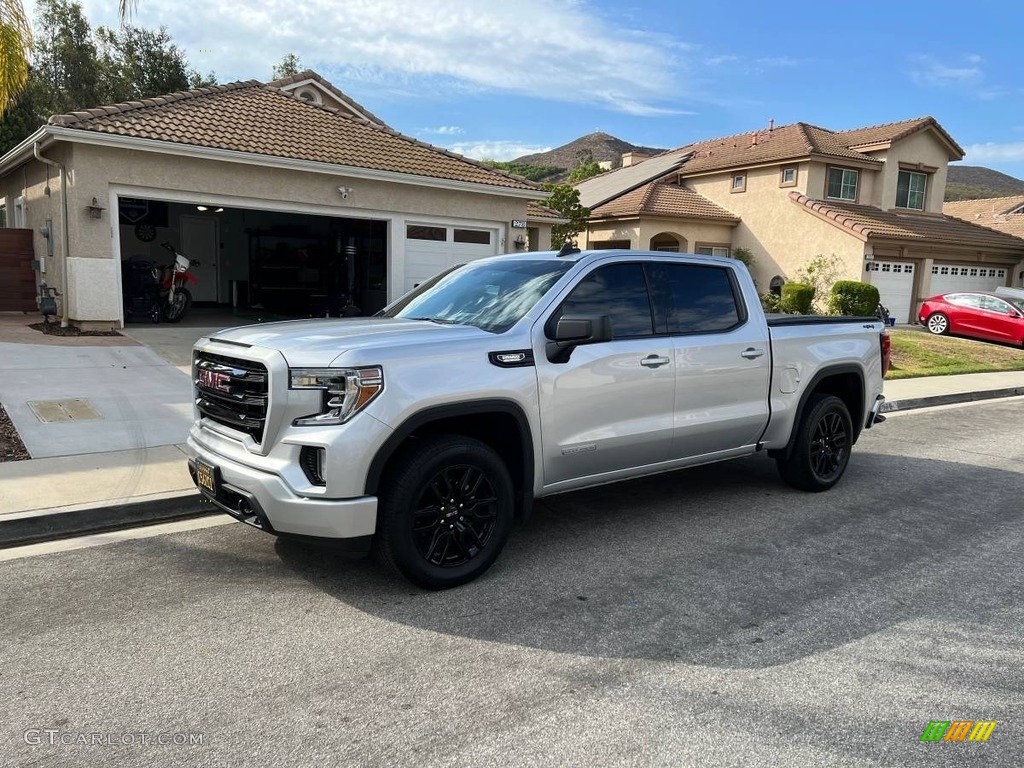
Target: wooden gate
{"points": [[17, 278]]}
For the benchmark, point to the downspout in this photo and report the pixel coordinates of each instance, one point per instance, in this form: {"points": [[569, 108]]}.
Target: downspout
{"points": [[64, 229]]}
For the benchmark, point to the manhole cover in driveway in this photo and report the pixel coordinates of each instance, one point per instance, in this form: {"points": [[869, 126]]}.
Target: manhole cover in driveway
{"points": [[56, 411]]}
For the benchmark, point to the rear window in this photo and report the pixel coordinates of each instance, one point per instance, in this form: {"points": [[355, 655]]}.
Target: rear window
{"points": [[690, 298]]}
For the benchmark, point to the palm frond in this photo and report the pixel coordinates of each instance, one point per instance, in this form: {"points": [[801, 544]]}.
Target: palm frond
{"points": [[15, 48], [125, 9]]}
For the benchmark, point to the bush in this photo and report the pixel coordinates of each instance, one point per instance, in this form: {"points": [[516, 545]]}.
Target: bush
{"points": [[770, 302], [850, 297], [797, 297]]}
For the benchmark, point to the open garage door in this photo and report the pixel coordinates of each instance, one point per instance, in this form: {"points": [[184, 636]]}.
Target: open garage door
{"points": [[951, 278], [895, 283], [433, 248], [274, 264]]}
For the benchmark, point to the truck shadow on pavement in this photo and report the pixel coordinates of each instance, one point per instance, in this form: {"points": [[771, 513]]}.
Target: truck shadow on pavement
{"points": [[725, 566]]}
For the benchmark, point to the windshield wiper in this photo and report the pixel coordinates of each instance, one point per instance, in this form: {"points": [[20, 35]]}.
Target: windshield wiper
{"points": [[441, 320]]}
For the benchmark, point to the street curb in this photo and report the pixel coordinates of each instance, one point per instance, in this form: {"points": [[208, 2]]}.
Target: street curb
{"points": [[111, 517], [910, 403]]}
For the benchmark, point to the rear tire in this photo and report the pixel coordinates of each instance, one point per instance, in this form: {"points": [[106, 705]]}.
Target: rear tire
{"points": [[937, 323], [445, 511], [821, 451]]}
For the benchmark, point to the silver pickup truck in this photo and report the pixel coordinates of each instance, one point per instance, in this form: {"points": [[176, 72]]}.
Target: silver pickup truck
{"points": [[426, 431]]}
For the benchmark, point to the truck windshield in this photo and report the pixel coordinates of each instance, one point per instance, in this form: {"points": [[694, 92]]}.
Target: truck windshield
{"points": [[492, 295]]}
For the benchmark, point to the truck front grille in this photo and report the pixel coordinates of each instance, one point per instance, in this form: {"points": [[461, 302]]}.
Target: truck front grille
{"points": [[232, 392]]}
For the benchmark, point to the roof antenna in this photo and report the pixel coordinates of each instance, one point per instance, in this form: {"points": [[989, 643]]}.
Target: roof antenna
{"points": [[568, 249]]}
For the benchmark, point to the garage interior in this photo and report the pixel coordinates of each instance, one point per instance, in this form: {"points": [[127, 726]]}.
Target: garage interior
{"points": [[290, 265]]}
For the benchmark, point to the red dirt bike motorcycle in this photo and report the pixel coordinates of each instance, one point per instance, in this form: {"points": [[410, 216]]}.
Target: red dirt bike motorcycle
{"points": [[157, 292]]}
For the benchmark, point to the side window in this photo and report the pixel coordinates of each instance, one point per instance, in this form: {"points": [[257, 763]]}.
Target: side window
{"points": [[966, 300], [690, 298], [992, 304], [618, 290]]}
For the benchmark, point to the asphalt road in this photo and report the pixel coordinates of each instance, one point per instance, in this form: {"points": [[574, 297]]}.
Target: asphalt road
{"points": [[710, 617]]}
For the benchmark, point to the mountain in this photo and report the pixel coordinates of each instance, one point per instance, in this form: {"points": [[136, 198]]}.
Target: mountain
{"points": [[970, 182], [598, 146]]}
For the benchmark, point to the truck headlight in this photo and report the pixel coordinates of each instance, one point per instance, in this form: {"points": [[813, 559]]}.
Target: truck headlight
{"points": [[346, 391]]}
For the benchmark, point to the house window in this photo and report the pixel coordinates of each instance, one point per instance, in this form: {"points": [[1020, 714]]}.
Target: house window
{"points": [[712, 250], [417, 232], [739, 182], [19, 212], [910, 188], [787, 178], [477, 236], [842, 183]]}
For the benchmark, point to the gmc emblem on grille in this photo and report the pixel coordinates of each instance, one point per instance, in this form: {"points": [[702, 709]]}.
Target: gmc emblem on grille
{"points": [[214, 380]]}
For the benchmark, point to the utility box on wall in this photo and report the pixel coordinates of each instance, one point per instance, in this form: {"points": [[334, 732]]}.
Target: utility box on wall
{"points": [[93, 291]]}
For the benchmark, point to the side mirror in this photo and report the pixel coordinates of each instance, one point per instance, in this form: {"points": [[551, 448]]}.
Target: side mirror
{"points": [[575, 330]]}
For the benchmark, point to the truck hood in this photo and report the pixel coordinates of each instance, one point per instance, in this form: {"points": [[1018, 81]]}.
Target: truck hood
{"points": [[319, 342]]}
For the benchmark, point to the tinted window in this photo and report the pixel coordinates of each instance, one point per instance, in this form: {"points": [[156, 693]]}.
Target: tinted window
{"points": [[618, 290], [692, 299], [477, 236], [417, 232]]}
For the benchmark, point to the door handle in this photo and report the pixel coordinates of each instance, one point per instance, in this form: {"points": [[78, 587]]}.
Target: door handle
{"points": [[751, 354], [653, 361]]}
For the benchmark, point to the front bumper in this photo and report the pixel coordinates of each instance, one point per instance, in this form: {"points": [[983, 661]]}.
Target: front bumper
{"points": [[264, 500]]}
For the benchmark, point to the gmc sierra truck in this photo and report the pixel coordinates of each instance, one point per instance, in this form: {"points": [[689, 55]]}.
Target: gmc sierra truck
{"points": [[426, 431]]}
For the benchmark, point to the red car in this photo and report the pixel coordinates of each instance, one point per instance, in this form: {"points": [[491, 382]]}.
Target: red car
{"points": [[981, 315]]}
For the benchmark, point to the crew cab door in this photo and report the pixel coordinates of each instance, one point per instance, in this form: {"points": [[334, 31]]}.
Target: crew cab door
{"points": [[609, 406], [722, 357]]}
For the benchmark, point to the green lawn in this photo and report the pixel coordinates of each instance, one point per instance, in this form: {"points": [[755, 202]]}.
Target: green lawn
{"points": [[919, 353]]}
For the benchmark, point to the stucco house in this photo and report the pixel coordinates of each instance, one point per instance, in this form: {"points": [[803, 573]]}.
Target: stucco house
{"points": [[871, 196], [289, 196]]}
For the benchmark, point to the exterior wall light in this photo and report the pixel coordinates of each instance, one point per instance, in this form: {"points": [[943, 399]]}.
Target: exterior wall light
{"points": [[95, 209]]}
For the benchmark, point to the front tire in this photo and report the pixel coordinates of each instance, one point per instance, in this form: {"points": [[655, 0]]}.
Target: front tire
{"points": [[446, 510], [173, 313], [821, 451], [937, 323]]}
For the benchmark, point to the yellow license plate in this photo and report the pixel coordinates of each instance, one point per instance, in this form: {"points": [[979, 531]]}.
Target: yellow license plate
{"points": [[206, 478]]}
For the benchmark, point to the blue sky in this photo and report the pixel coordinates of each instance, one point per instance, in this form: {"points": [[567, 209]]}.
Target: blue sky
{"points": [[500, 79]]}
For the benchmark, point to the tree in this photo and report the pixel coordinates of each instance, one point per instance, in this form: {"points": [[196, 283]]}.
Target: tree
{"points": [[65, 60], [23, 117], [289, 66], [586, 167], [16, 42], [15, 48], [565, 199], [138, 63]]}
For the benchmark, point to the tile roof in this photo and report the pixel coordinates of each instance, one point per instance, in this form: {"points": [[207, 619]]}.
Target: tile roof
{"points": [[991, 212], [538, 211], [309, 74], [877, 134], [786, 142], [661, 198], [255, 118], [870, 222]]}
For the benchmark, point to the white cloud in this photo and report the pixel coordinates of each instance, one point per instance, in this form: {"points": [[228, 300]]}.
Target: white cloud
{"points": [[992, 152], [551, 49], [930, 71], [496, 150], [445, 130]]}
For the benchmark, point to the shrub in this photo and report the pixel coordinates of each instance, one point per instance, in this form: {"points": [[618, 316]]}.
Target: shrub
{"points": [[850, 297], [821, 272], [745, 255], [797, 297], [770, 302]]}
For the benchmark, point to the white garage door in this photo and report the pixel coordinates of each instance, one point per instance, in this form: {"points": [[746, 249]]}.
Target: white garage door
{"points": [[895, 283], [433, 248], [947, 278]]}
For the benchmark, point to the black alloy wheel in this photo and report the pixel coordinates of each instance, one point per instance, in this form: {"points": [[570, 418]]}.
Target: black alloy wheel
{"points": [[455, 516], [445, 510], [821, 445]]}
